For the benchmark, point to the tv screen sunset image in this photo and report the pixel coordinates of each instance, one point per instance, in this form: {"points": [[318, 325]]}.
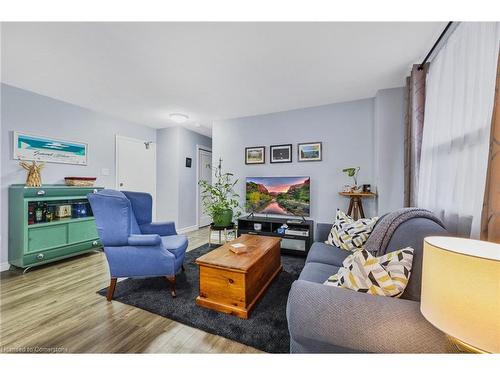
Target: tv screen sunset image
{"points": [[278, 195]]}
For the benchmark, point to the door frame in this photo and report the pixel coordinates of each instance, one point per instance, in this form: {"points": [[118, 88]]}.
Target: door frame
{"points": [[198, 148], [117, 164]]}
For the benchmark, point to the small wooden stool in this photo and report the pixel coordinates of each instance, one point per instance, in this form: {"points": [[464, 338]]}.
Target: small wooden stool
{"points": [[355, 206], [226, 230]]}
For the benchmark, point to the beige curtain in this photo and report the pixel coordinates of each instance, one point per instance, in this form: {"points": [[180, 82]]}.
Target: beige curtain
{"points": [[490, 218], [415, 108]]}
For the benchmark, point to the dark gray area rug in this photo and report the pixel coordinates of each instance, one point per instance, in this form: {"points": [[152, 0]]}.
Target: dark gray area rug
{"points": [[266, 329]]}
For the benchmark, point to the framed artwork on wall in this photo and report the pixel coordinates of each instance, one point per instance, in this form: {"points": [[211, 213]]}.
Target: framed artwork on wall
{"points": [[281, 153], [255, 155], [48, 149], [311, 151]]}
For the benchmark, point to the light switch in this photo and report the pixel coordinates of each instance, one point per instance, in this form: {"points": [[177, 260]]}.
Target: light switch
{"points": [[105, 172]]}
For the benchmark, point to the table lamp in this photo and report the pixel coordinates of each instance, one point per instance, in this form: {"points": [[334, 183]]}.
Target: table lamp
{"points": [[461, 291]]}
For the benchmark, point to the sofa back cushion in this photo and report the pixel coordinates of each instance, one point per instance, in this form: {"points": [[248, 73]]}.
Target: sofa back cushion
{"points": [[411, 234]]}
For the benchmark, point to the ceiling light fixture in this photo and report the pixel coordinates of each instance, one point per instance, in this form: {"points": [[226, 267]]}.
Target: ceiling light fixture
{"points": [[178, 117]]}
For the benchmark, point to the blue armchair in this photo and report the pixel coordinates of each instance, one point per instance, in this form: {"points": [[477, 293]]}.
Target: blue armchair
{"points": [[134, 246]]}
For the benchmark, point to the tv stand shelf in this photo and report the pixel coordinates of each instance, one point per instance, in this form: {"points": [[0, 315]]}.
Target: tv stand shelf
{"points": [[291, 243]]}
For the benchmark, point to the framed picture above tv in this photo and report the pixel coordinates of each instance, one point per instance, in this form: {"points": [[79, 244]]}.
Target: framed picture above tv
{"points": [[255, 155], [309, 151], [281, 153]]}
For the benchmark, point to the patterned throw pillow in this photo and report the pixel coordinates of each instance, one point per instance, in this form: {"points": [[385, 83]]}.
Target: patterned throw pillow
{"points": [[386, 275], [349, 234]]}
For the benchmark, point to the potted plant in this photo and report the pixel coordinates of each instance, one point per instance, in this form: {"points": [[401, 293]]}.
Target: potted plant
{"points": [[352, 172], [219, 199]]}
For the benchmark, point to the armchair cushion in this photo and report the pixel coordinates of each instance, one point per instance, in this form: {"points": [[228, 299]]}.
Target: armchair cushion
{"points": [[140, 261], [161, 229], [144, 240]]}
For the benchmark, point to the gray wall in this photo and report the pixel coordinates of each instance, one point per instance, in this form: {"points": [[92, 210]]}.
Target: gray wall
{"points": [[346, 130], [176, 185], [187, 176], [389, 133], [167, 174], [32, 113]]}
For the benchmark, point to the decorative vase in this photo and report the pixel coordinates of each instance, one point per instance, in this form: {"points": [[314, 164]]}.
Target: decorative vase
{"points": [[223, 218]]}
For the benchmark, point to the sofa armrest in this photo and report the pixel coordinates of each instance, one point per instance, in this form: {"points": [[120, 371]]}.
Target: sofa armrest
{"points": [[144, 240], [162, 229], [335, 317]]}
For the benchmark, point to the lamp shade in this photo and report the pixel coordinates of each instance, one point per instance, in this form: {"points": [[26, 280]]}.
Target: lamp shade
{"points": [[461, 290]]}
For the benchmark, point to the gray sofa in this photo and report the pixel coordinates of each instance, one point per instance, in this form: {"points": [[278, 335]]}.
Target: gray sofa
{"points": [[326, 319]]}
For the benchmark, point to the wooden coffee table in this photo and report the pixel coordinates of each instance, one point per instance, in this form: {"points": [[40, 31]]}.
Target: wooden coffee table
{"points": [[232, 283]]}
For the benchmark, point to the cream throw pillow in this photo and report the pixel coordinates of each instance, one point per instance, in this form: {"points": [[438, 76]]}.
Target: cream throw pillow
{"points": [[349, 234], [386, 275]]}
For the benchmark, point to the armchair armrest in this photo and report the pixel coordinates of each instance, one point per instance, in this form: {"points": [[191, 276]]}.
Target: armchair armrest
{"points": [[161, 229], [144, 240], [322, 316]]}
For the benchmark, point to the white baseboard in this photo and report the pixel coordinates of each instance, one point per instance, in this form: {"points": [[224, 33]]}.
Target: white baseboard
{"points": [[187, 229], [4, 266]]}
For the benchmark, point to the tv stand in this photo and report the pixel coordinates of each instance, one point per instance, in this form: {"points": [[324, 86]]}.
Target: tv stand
{"points": [[296, 243]]}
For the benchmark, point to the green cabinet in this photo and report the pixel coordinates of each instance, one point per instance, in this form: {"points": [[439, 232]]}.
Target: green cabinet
{"points": [[37, 234]]}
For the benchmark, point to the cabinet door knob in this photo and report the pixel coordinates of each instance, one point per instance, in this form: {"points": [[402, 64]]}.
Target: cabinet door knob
{"points": [[95, 243], [40, 256], [95, 191], [40, 192]]}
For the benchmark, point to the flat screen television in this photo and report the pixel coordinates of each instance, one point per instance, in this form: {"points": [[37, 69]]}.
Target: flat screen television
{"points": [[278, 195]]}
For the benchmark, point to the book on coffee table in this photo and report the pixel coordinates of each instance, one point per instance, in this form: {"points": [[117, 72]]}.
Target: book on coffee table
{"points": [[238, 248]]}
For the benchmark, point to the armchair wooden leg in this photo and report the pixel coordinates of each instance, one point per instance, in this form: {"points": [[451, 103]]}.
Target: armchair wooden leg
{"points": [[171, 280], [182, 268], [111, 289]]}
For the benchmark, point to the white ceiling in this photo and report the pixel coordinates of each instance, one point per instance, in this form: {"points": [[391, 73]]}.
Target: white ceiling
{"points": [[210, 71]]}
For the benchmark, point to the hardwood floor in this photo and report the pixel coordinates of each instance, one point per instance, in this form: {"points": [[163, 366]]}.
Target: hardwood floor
{"points": [[55, 308]]}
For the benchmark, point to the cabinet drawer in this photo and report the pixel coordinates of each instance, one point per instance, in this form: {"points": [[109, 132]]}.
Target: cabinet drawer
{"points": [[47, 237], [82, 231], [45, 256], [63, 191]]}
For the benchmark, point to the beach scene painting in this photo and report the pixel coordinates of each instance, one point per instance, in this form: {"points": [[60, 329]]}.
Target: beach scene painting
{"points": [[50, 150], [278, 195]]}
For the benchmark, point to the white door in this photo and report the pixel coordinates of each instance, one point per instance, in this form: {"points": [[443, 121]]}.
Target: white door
{"points": [[136, 166], [204, 173]]}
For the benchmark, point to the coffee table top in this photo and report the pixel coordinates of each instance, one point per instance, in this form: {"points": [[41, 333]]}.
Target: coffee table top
{"points": [[223, 257]]}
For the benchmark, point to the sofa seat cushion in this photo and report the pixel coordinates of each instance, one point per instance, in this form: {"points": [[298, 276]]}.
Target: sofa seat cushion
{"points": [[176, 244], [317, 272], [323, 253]]}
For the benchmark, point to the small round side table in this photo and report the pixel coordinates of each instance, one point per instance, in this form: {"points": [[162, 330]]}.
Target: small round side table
{"points": [[231, 228]]}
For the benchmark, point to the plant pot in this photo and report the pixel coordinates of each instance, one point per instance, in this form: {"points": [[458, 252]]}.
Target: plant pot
{"points": [[223, 218]]}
